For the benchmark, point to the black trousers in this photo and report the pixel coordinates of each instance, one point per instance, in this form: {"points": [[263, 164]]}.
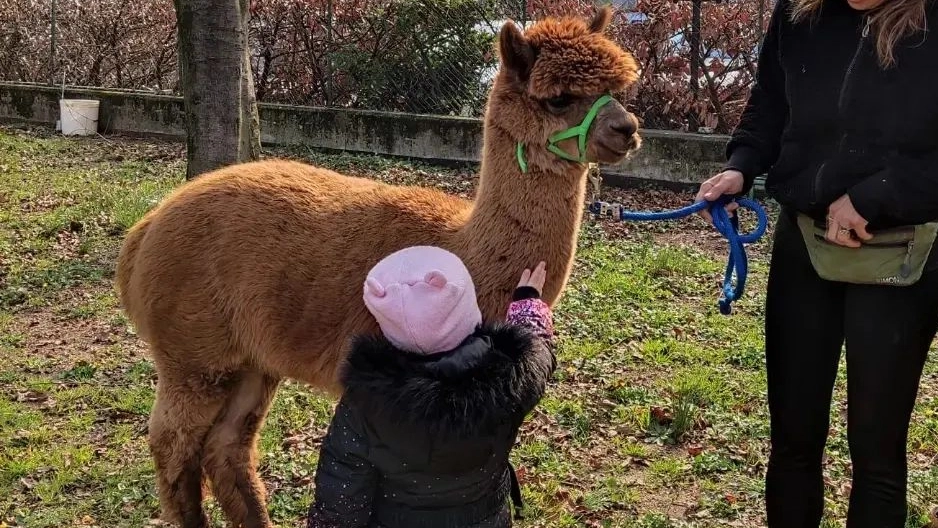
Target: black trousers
{"points": [[888, 331]]}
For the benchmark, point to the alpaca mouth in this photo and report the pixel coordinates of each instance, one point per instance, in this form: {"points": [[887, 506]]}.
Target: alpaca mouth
{"points": [[633, 144], [610, 153]]}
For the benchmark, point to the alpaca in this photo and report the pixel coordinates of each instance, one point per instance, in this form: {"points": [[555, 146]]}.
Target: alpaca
{"points": [[253, 273]]}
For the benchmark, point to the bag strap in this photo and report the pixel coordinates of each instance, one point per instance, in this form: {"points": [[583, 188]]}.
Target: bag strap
{"points": [[516, 492]]}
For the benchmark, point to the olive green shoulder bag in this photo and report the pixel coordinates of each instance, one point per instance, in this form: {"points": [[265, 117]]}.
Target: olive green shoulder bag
{"points": [[894, 257]]}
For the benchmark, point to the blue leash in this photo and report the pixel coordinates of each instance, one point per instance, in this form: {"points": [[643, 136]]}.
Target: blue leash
{"points": [[726, 224]]}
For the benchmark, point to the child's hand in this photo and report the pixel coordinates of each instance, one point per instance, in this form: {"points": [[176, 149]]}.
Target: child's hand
{"points": [[536, 278]]}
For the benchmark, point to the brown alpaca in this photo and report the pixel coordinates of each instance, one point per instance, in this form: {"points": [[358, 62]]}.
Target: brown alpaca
{"points": [[254, 273]]}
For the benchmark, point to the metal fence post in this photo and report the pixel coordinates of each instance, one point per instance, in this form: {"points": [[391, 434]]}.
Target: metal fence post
{"points": [[329, 52], [52, 49], [693, 121], [761, 19]]}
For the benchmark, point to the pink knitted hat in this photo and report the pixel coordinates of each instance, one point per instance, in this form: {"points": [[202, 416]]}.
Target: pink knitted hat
{"points": [[423, 299]]}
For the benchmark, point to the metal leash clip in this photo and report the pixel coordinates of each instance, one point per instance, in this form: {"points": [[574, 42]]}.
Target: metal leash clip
{"points": [[607, 210]]}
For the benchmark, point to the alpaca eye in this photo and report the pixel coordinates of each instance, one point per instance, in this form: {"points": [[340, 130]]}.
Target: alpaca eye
{"points": [[559, 103]]}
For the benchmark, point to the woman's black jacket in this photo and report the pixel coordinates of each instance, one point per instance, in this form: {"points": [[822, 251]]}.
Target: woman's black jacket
{"points": [[824, 119]]}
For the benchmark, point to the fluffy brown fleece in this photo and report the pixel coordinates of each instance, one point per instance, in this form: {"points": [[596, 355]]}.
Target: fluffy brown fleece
{"points": [[572, 58], [253, 273]]}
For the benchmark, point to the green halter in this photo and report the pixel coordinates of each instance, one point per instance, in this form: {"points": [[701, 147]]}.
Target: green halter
{"points": [[580, 132]]}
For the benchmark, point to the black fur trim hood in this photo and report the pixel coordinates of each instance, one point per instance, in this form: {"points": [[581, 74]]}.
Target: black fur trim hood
{"points": [[493, 378]]}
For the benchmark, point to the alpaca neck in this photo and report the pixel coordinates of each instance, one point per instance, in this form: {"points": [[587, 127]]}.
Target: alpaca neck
{"points": [[519, 219]]}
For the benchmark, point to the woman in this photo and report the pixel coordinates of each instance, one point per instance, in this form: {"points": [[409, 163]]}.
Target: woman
{"points": [[844, 119]]}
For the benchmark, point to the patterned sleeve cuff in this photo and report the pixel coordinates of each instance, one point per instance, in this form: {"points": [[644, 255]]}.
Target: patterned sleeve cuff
{"points": [[534, 313]]}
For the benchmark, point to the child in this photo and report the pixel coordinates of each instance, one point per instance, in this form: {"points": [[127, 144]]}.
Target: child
{"points": [[432, 408]]}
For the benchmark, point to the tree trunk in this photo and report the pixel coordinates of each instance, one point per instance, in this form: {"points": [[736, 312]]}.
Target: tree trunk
{"points": [[250, 131], [218, 89]]}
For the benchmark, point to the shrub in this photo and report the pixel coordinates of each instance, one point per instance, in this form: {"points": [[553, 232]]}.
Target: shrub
{"points": [[425, 56]]}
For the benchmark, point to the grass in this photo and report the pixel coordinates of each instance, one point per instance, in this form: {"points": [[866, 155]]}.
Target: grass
{"points": [[657, 417]]}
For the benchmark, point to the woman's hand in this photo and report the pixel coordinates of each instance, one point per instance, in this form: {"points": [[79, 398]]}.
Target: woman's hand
{"points": [[845, 226], [536, 278], [727, 182]]}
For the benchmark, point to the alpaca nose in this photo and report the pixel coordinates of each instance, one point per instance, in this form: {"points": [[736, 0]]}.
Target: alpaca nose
{"points": [[625, 126]]}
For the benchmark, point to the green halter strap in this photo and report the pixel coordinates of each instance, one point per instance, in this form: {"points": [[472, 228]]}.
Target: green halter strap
{"points": [[580, 131]]}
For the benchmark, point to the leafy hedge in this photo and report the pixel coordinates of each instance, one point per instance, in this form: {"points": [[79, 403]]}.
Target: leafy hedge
{"points": [[427, 56]]}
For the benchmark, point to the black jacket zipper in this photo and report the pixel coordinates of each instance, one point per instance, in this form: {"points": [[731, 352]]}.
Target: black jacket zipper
{"points": [[842, 99]]}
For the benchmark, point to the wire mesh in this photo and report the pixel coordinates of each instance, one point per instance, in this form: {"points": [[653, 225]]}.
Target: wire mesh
{"points": [[423, 56], [106, 43], [418, 56]]}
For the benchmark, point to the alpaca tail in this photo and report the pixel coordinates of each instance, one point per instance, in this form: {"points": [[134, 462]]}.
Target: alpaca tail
{"points": [[126, 260]]}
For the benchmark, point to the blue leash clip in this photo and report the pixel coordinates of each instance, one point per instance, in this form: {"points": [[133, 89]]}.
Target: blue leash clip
{"points": [[728, 225]]}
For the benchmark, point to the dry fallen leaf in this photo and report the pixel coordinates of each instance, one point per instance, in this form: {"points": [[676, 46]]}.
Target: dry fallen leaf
{"points": [[32, 396], [661, 415], [521, 472]]}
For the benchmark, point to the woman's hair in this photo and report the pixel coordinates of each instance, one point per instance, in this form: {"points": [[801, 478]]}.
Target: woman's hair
{"points": [[891, 21]]}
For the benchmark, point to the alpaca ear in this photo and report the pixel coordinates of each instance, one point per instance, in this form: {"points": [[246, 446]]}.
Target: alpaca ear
{"points": [[435, 279], [601, 19], [374, 288], [516, 52]]}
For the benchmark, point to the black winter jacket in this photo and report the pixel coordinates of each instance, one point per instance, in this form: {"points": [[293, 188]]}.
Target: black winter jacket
{"points": [[423, 441], [825, 119]]}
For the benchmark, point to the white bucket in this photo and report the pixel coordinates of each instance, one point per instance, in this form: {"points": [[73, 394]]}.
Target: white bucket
{"points": [[79, 116]]}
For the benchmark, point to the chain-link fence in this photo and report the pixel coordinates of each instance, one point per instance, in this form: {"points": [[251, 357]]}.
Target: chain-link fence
{"points": [[108, 43], [423, 56]]}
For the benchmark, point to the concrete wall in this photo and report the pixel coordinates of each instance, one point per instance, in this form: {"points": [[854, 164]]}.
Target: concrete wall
{"points": [[669, 157]]}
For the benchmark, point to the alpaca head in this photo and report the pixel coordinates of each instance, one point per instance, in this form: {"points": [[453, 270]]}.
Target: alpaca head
{"points": [[551, 78]]}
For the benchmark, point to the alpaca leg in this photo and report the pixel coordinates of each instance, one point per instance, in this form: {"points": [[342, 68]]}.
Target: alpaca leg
{"points": [[231, 452], [179, 422]]}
